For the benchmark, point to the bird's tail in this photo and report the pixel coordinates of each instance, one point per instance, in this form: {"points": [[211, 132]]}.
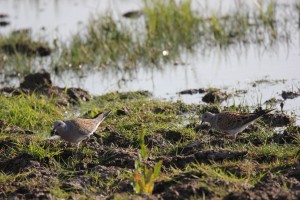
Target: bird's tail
{"points": [[263, 112], [258, 114], [102, 116]]}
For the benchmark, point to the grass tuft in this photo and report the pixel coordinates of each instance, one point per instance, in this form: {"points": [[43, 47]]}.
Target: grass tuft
{"points": [[30, 112], [38, 150]]}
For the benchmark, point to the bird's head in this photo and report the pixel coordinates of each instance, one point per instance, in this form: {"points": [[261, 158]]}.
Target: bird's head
{"points": [[207, 117], [58, 125]]}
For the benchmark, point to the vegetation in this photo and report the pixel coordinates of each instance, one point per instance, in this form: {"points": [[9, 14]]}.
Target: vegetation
{"points": [[143, 178], [146, 146], [108, 163], [171, 28], [19, 51], [167, 29], [30, 112]]}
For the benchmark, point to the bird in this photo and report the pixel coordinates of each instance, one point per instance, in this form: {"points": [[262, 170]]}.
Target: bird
{"points": [[232, 123], [78, 129]]}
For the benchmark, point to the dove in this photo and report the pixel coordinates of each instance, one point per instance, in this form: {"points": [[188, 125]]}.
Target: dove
{"points": [[232, 123], [78, 129]]}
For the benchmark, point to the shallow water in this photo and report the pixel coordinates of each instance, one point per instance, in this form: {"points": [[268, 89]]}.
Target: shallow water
{"points": [[57, 18], [230, 70]]}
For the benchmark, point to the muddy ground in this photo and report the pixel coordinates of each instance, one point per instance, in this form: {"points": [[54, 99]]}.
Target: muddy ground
{"points": [[201, 164]]}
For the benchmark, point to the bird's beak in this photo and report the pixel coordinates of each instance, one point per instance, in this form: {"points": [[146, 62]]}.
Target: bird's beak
{"points": [[53, 131]]}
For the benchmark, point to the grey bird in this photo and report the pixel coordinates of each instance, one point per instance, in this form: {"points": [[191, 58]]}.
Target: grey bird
{"points": [[232, 123], [78, 129]]}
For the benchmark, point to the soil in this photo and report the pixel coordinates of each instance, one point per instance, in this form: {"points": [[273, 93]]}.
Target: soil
{"points": [[115, 158], [288, 136], [192, 91], [4, 23], [117, 139], [133, 14], [5, 128], [41, 83], [215, 97], [102, 158], [183, 186], [171, 135], [270, 187], [36, 81], [3, 15], [277, 119], [25, 48], [290, 94]]}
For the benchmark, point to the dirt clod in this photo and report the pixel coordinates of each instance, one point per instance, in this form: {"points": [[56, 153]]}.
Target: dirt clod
{"points": [[288, 136], [133, 14], [27, 49], [118, 157], [41, 83], [192, 91], [277, 119], [18, 163], [28, 193], [215, 97], [76, 95], [290, 94], [271, 187], [36, 81], [155, 141], [171, 135], [117, 139], [4, 23]]}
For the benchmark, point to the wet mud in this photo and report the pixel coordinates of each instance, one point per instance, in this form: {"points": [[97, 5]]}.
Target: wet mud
{"points": [[270, 187], [41, 83]]}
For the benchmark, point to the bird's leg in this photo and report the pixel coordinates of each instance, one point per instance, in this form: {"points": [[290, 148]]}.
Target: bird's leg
{"points": [[86, 140], [235, 136], [77, 147], [227, 135]]}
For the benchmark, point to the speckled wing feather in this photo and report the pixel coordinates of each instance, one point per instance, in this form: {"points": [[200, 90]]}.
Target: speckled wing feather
{"points": [[83, 126], [226, 121], [86, 126], [232, 120]]}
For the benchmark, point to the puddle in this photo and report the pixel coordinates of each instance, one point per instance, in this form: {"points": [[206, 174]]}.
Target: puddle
{"points": [[235, 69], [280, 70]]}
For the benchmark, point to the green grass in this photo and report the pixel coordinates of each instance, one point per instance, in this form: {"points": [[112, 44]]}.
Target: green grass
{"points": [[173, 27], [106, 38], [4, 178], [143, 177], [20, 51], [60, 166], [38, 150], [58, 192], [166, 30], [275, 151], [164, 19], [30, 112]]}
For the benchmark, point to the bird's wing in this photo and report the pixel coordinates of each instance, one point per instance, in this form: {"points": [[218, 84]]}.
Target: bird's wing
{"points": [[232, 120], [84, 126], [247, 118]]}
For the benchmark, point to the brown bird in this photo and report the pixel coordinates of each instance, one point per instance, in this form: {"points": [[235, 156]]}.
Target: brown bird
{"points": [[78, 129], [232, 123]]}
